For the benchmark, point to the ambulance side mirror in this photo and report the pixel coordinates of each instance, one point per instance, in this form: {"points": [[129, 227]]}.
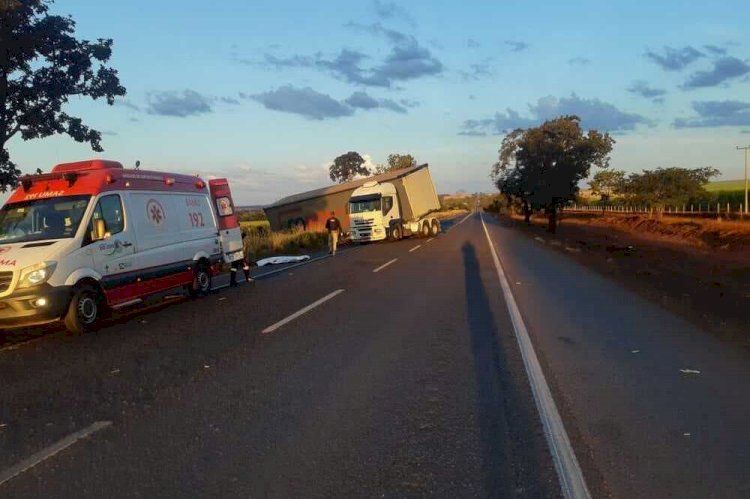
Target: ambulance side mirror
{"points": [[100, 230]]}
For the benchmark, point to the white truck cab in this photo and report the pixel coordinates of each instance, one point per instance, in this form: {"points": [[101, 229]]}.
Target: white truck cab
{"points": [[395, 209]]}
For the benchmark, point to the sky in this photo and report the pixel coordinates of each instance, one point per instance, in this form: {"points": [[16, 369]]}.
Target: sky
{"points": [[268, 93]]}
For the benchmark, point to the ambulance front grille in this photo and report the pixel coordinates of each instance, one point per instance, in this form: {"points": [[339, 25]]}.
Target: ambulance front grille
{"points": [[5, 280]]}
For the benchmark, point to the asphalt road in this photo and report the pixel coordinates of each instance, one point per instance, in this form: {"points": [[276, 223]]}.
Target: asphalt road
{"points": [[407, 381]]}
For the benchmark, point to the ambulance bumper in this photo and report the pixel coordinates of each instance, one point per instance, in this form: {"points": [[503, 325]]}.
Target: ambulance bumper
{"points": [[32, 306]]}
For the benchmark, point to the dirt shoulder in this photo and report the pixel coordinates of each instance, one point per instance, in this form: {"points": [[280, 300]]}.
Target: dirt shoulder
{"points": [[698, 270]]}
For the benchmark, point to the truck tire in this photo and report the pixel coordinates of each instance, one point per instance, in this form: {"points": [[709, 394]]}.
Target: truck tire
{"points": [[434, 228], [395, 233], [85, 308], [425, 229], [201, 284]]}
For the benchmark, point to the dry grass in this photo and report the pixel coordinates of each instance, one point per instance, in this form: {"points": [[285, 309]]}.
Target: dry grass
{"points": [[728, 235], [442, 215]]}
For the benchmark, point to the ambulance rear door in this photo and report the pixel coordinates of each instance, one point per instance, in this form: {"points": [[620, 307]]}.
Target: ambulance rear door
{"points": [[230, 233]]}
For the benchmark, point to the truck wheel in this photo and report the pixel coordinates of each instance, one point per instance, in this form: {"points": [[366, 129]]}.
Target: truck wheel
{"points": [[434, 228], [425, 229], [84, 309], [201, 281], [395, 233]]}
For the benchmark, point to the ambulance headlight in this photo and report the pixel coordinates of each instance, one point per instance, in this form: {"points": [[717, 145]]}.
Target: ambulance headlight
{"points": [[36, 274]]}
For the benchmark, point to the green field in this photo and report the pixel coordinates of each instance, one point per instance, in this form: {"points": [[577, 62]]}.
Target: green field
{"points": [[726, 185]]}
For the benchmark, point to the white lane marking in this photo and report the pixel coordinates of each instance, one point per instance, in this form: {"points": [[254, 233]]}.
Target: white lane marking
{"points": [[464, 219], [50, 451], [274, 327], [415, 248], [569, 471], [384, 265], [430, 239]]}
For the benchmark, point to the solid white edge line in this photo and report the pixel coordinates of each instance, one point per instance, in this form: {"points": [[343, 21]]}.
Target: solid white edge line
{"points": [[384, 265], [50, 451], [415, 248], [569, 471], [301, 311]]}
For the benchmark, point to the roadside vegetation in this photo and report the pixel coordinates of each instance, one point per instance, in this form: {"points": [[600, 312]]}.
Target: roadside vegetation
{"points": [[260, 242]]}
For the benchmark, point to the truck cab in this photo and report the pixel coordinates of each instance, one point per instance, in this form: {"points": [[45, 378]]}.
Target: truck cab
{"points": [[373, 211]]}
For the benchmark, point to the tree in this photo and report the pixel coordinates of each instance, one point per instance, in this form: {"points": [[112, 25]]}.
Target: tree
{"points": [[347, 166], [542, 166], [396, 162], [608, 183], [41, 66], [668, 186]]}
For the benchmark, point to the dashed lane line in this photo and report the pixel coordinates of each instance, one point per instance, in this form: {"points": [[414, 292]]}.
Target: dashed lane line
{"points": [[302, 311], [50, 451], [415, 248], [384, 265]]}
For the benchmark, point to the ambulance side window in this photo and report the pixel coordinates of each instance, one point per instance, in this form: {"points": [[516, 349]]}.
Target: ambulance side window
{"points": [[109, 209]]}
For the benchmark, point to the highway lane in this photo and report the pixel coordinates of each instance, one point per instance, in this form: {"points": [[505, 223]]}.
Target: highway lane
{"points": [[655, 406], [405, 383]]}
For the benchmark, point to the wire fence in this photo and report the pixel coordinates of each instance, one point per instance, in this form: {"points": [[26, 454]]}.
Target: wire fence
{"points": [[728, 210]]}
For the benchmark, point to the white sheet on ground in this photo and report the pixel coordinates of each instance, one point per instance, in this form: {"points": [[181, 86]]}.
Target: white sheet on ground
{"points": [[275, 260]]}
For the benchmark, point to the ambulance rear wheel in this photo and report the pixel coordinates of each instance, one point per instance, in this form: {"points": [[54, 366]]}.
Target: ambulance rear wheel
{"points": [[201, 281], [84, 310]]}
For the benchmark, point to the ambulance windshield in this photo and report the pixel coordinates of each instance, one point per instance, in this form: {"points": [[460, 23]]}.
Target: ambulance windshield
{"points": [[39, 219]]}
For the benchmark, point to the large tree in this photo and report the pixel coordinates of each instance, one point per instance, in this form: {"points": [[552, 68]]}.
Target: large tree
{"points": [[347, 166], [42, 65], [396, 162], [543, 165], [668, 186], [608, 183]]}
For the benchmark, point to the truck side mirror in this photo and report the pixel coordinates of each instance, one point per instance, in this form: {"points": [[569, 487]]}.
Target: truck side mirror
{"points": [[100, 230]]}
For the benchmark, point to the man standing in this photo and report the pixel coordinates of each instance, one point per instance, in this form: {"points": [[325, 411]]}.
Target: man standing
{"points": [[334, 229]]}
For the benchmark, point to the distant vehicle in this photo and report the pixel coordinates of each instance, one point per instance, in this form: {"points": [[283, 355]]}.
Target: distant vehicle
{"points": [[91, 236], [395, 209]]}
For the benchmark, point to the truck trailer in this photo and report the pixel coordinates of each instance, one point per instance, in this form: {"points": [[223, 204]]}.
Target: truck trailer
{"points": [[91, 236], [395, 209]]}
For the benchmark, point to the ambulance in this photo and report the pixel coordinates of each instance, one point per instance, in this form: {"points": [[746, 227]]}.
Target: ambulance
{"points": [[92, 236]]}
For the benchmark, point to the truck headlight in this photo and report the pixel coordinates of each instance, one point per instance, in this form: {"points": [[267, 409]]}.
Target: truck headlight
{"points": [[36, 274]]}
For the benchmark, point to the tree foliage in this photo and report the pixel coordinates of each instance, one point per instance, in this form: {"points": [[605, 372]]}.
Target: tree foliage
{"points": [[42, 65], [347, 166], [540, 167], [608, 183], [396, 162], [668, 186]]}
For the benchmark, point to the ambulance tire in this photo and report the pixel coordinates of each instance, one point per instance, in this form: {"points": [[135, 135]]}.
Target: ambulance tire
{"points": [[85, 309], [201, 285]]}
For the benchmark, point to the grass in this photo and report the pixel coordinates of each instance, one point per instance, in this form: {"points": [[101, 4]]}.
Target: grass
{"points": [[254, 225], [726, 185]]}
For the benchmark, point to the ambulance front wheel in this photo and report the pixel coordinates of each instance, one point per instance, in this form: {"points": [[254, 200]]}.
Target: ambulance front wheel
{"points": [[201, 280], [85, 308]]}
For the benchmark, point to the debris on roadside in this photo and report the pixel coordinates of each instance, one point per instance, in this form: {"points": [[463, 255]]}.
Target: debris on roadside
{"points": [[689, 371], [278, 260]]}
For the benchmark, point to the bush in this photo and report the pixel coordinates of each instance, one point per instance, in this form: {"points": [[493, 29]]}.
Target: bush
{"points": [[261, 243]]}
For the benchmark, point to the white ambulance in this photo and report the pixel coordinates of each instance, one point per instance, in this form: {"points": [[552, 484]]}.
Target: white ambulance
{"points": [[92, 236]]}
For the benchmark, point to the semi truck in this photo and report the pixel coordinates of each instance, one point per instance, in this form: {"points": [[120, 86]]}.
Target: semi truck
{"points": [[399, 208], [92, 236]]}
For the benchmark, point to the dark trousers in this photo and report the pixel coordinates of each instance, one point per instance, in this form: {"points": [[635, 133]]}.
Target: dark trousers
{"points": [[236, 265]]}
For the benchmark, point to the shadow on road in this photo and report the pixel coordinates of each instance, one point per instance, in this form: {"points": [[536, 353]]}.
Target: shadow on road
{"points": [[488, 370]]}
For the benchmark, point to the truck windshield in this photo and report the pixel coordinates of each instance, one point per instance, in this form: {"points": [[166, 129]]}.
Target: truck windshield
{"points": [[52, 218], [364, 203]]}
